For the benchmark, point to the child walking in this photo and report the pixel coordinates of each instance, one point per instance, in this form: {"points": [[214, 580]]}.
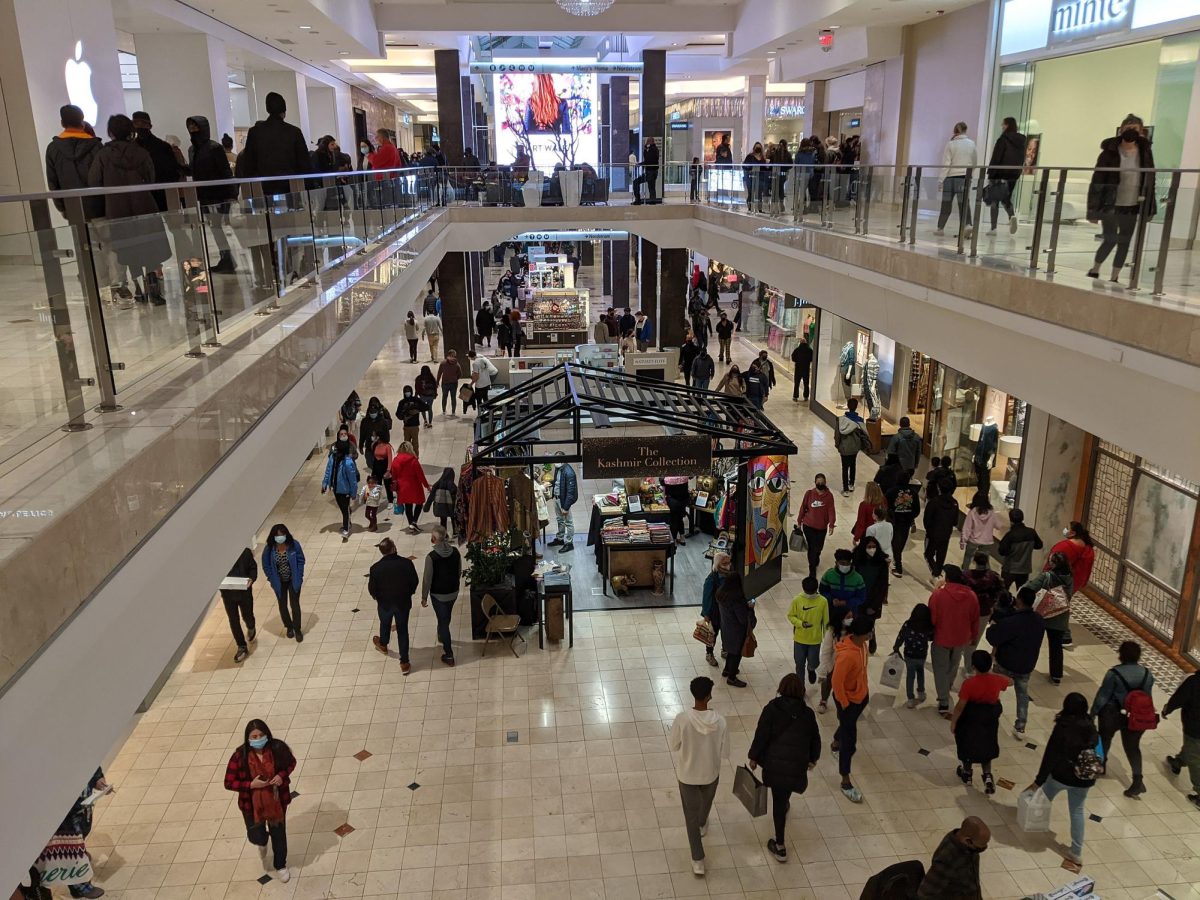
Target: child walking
{"points": [[372, 498], [809, 615], [442, 497], [975, 721], [912, 643]]}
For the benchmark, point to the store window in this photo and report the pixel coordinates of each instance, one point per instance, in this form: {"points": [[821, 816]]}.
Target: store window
{"points": [[1141, 517]]}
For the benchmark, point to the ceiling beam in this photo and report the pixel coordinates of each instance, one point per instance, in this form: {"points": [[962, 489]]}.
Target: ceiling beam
{"points": [[545, 18]]}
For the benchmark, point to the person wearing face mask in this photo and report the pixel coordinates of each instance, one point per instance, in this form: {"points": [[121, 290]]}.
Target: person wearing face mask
{"points": [[443, 571], [843, 587], [850, 696], [375, 421], [239, 604], [753, 173], [207, 162], [341, 477], [1056, 615], [954, 870], [870, 561], [1077, 547], [1120, 191], [283, 564], [260, 773], [409, 412], [817, 519]]}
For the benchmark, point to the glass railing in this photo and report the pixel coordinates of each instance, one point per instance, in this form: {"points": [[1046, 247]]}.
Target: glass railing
{"points": [[94, 300]]}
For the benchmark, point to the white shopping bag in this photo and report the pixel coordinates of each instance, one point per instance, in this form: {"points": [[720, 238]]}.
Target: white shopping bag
{"points": [[1033, 811], [893, 667]]}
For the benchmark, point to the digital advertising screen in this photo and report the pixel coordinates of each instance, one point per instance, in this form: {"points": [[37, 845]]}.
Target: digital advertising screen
{"points": [[552, 117]]}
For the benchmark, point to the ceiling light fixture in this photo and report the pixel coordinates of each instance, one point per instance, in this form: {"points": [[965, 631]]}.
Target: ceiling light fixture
{"points": [[584, 7], [306, 28]]}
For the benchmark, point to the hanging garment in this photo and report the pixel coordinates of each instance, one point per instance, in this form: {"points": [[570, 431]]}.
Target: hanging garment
{"points": [[488, 511]]}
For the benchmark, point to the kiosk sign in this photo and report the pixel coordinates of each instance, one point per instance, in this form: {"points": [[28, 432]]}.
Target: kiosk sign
{"points": [[645, 457]]}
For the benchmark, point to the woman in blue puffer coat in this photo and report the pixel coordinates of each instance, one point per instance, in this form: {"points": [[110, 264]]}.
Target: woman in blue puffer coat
{"points": [[341, 477]]}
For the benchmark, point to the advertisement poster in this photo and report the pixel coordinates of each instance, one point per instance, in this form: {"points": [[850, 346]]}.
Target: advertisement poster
{"points": [[712, 140], [551, 117], [766, 512]]}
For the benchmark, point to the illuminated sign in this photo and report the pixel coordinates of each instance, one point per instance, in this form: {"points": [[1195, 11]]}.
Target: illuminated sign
{"points": [[549, 67], [592, 234], [1072, 19], [78, 76], [785, 108], [1031, 25]]}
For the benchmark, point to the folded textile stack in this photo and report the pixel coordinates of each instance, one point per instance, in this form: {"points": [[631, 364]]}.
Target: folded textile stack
{"points": [[639, 531], [660, 533]]}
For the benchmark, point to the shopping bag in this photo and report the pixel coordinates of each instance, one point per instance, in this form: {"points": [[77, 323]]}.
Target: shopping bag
{"points": [[751, 791], [64, 861], [893, 666], [397, 509], [1052, 602], [797, 543], [749, 645], [703, 632], [466, 393], [1033, 811]]}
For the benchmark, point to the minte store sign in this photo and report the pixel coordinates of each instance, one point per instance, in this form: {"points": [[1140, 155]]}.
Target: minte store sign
{"points": [[1037, 24], [1088, 17]]}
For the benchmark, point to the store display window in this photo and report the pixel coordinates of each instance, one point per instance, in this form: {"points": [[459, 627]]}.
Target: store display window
{"points": [[842, 351]]}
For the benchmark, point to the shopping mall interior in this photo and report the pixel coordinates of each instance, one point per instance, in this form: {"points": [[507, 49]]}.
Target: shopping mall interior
{"points": [[592, 291]]}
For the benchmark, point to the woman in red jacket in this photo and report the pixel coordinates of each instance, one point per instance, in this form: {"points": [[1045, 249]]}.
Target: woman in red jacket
{"points": [[1077, 547], [260, 772], [410, 484]]}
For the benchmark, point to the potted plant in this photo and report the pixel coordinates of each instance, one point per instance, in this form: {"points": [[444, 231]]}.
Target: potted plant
{"points": [[489, 571]]}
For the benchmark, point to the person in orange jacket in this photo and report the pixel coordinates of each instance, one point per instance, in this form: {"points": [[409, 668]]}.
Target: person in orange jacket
{"points": [[850, 696]]}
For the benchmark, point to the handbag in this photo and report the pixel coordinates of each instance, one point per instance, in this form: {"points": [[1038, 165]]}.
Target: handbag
{"points": [[1052, 602], [797, 542], [65, 860], [997, 191], [750, 791], [892, 667], [749, 645], [703, 632], [1033, 811], [466, 393]]}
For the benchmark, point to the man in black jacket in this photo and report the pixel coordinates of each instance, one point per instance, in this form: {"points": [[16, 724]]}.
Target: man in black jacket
{"points": [[802, 357], [166, 166], [1187, 698], [274, 147], [208, 162], [649, 176], [69, 157], [1008, 156], [392, 582], [940, 519], [241, 601], [1016, 642], [687, 355], [904, 504]]}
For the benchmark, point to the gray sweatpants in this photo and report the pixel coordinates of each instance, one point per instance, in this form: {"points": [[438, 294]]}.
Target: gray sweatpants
{"points": [[945, 662], [697, 802]]}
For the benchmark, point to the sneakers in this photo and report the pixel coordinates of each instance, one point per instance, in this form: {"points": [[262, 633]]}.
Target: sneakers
{"points": [[555, 542], [345, 533], [712, 660], [777, 850], [567, 548], [378, 644], [989, 783], [448, 660], [697, 864], [1175, 764], [283, 875], [896, 573], [734, 681], [1194, 799], [1012, 224], [920, 696], [822, 707], [845, 492], [911, 704], [851, 793], [964, 775], [241, 654], [1019, 729]]}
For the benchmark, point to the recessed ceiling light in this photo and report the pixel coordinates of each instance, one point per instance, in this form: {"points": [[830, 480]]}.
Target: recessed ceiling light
{"points": [[306, 28], [343, 53]]}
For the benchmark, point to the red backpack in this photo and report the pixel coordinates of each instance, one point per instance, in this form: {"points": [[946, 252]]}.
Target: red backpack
{"points": [[1139, 708]]}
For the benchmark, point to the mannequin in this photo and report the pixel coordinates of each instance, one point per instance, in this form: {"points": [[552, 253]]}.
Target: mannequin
{"points": [[871, 385], [985, 453], [846, 371]]}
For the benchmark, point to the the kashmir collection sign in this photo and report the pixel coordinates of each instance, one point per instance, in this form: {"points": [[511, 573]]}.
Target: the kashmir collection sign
{"points": [[646, 457]]}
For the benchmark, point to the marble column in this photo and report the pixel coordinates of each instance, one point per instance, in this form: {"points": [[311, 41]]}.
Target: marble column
{"points": [[606, 268], [617, 252], [468, 112], [447, 76], [672, 296], [754, 112], [619, 136], [816, 118], [648, 281], [457, 318], [652, 101]]}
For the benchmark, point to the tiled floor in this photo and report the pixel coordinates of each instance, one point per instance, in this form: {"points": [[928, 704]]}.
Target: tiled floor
{"points": [[583, 803]]}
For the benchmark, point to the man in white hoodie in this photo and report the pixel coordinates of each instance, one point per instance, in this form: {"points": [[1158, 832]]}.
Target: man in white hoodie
{"points": [[960, 154], [700, 741]]}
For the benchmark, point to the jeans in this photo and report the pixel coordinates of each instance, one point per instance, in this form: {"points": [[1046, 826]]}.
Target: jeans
{"points": [[1131, 743], [935, 553], [849, 470], [276, 831], [806, 656], [566, 525], [697, 800], [815, 537], [1021, 689], [1054, 643], [781, 802], [1118, 226], [700, 384], [954, 187], [239, 602], [900, 530], [971, 549], [1075, 799], [343, 502], [800, 377], [914, 671], [443, 610], [450, 392], [945, 662], [847, 733], [286, 594], [398, 615]]}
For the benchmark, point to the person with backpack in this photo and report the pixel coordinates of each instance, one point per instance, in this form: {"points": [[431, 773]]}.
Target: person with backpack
{"points": [[1124, 704], [1070, 763], [1187, 699], [850, 437]]}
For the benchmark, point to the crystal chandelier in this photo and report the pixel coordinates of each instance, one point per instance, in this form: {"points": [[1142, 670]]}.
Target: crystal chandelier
{"points": [[584, 7]]}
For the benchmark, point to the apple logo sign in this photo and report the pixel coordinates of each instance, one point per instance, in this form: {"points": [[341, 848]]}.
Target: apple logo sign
{"points": [[78, 76]]}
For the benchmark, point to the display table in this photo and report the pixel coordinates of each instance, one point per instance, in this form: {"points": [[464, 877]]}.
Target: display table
{"points": [[646, 555], [556, 585], [601, 514], [557, 318]]}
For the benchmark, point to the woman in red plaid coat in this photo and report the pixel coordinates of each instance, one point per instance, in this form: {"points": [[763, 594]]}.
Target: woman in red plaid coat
{"points": [[260, 771]]}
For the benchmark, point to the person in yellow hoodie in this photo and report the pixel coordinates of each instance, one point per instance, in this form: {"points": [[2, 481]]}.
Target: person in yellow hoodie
{"points": [[809, 615], [850, 695]]}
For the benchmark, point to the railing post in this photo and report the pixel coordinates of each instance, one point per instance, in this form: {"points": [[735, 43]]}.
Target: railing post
{"points": [[858, 203], [905, 188], [1160, 267], [916, 203], [257, 197], [979, 189], [963, 211], [91, 304], [1036, 247], [866, 189], [1059, 194], [186, 249], [60, 315], [1139, 241]]}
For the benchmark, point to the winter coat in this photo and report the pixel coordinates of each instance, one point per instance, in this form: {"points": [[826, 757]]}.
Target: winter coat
{"points": [[245, 567], [906, 444], [274, 147], [1102, 192], [1016, 550], [208, 162], [426, 385], [850, 437], [979, 527], [954, 609], [703, 367], [1187, 698], [443, 572], [68, 161], [1070, 736], [708, 594], [1017, 640], [167, 169], [392, 581], [889, 474], [341, 475], [566, 486], [295, 558], [849, 680], [645, 332], [785, 742], [1081, 558], [1009, 150], [121, 164], [941, 515], [988, 587], [443, 495], [958, 155], [408, 479], [369, 425], [904, 501], [846, 592], [802, 357], [687, 355], [737, 618], [976, 732], [485, 322]]}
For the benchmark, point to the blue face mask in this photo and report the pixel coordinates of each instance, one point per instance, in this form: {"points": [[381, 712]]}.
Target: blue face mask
{"points": [[258, 743], [280, 538]]}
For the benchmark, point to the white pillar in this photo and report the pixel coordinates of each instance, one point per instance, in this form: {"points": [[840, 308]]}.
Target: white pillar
{"points": [[754, 112], [322, 112], [292, 87], [343, 108], [184, 75]]}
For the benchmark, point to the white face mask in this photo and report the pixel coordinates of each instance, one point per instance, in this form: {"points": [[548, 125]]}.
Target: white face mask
{"points": [[1066, 532], [843, 568]]}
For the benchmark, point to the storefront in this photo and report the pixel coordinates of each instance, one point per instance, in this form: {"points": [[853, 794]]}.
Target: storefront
{"points": [[787, 318], [785, 120]]}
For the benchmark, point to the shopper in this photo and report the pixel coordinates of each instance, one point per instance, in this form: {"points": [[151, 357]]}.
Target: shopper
{"points": [[912, 643], [1008, 158], [565, 491], [381, 456], [644, 333], [341, 477], [274, 147], [850, 696], [754, 175], [412, 334], [733, 383], [817, 519], [954, 870], [978, 529], [678, 498], [941, 516], [73, 831], [975, 721], [504, 335], [600, 329], [1016, 550], [443, 572], [1054, 607], [239, 603], [443, 497], [880, 528], [1121, 189], [482, 371], [1016, 642], [809, 615], [954, 609], [648, 175], [1069, 764], [1076, 545], [69, 159], [850, 438], [906, 444], [989, 589], [409, 411], [737, 622], [890, 473], [260, 773], [426, 389], [703, 369], [958, 156], [1187, 699], [448, 375], [802, 357], [866, 511], [871, 561], [843, 587], [699, 740], [207, 162], [376, 420], [687, 355], [757, 388], [904, 505], [710, 609], [1124, 703], [431, 328], [391, 582], [372, 497], [724, 338], [410, 485], [787, 744], [283, 564]]}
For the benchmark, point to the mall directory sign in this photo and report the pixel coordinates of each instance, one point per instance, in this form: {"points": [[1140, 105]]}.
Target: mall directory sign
{"points": [[652, 456]]}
